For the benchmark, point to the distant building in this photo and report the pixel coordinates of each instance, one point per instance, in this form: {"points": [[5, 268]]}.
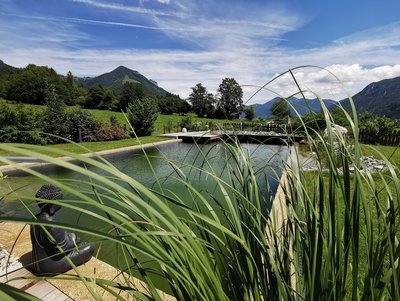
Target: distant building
{"points": [[153, 82]]}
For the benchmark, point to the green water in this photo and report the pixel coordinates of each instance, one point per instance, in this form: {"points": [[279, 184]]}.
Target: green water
{"points": [[266, 159]]}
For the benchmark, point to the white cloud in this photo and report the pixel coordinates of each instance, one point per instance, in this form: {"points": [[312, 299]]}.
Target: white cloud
{"points": [[243, 46], [131, 9]]}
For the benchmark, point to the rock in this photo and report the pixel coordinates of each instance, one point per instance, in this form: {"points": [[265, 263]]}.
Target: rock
{"points": [[8, 263]]}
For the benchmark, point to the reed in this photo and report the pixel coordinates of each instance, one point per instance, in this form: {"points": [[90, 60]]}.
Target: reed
{"points": [[338, 238]]}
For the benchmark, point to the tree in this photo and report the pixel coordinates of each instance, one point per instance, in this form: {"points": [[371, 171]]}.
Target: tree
{"points": [[29, 84], [130, 92], [171, 103], [55, 119], [202, 101], [250, 113], [230, 102], [281, 109], [141, 115], [100, 98]]}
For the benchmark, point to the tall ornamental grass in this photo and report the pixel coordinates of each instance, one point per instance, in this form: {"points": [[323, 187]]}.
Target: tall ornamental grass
{"points": [[333, 234]]}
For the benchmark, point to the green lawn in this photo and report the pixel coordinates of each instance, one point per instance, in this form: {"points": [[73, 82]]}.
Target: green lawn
{"points": [[161, 121], [392, 153], [96, 146]]}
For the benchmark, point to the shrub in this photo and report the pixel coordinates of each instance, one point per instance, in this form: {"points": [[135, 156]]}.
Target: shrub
{"points": [[82, 126], [186, 122], [332, 234], [109, 131], [18, 125], [141, 115]]}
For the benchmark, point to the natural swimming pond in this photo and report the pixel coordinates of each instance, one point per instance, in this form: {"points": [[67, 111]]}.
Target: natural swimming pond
{"points": [[159, 169], [164, 168]]}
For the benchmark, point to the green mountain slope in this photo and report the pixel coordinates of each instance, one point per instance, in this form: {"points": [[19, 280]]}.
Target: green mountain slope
{"points": [[6, 71], [298, 104], [381, 98], [116, 78]]}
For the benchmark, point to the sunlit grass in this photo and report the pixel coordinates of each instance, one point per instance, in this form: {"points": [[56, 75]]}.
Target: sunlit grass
{"points": [[338, 239]]}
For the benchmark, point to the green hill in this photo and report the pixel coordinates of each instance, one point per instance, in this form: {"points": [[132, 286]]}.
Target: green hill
{"points": [[381, 98], [116, 78], [6, 70]]}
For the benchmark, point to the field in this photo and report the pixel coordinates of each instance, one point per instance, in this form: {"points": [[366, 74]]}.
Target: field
{"points": [[162, 121]]}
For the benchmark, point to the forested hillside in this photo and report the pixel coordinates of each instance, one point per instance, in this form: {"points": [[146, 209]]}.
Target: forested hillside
{"points": [[110, 91]]}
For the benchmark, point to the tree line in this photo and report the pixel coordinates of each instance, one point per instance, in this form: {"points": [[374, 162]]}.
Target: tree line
{"points": [[40, 85], [227, 104], [54, 124], [28, 85]]}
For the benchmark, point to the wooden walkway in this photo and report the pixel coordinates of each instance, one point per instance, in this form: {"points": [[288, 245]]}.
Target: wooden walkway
{"points": [[242, 136], [41, 289]]}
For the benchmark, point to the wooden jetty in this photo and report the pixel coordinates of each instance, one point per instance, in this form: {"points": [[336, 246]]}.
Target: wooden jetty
{"points": [[30, 284], [242, 136]]}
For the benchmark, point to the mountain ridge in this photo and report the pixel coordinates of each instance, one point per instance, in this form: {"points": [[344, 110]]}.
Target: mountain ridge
{"points": [[298, 104], [117, 77], [380, 98]]}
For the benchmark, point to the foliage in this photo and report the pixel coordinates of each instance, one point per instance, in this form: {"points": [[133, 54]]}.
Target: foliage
{"points": [[100, 98], [26, 124], [281, 109], [381, 98], [55, 119], [250, 113], [130, 92], [230, 102], [121, 75], [82, 126], [18, 124], [29, 85], [141, 115], [202, 101], [378, 125], [170, 104], [332, 235]]}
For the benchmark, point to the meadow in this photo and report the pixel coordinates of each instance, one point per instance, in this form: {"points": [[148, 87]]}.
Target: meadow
{"points": [[335, 236]]}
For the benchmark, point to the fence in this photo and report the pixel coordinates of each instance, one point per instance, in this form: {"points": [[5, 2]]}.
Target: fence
{"points": [[230, 126], [368, 137]]}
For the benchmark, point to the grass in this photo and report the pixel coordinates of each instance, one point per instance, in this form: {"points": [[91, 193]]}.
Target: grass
{"points": [[339, 239], [93, 146], [161, 121]]}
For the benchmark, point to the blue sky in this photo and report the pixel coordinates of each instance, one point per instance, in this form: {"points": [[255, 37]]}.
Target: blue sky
{"points": [[181, 43]]}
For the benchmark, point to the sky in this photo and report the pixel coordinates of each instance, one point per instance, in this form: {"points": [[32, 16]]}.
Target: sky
{"points": [[180, 43]]}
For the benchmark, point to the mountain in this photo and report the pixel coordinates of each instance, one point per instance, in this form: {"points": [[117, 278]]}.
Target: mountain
{"points": [[6, 70], [381, 98], [116, 78], [264, 110]]}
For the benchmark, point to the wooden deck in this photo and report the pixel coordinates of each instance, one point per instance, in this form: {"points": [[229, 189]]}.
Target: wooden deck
{"points": [[36, 287], [242, 136]]}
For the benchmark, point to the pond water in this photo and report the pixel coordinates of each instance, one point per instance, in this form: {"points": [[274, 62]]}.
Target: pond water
{"points": [[267, 160]]}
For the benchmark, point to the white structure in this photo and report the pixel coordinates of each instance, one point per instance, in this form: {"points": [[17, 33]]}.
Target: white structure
{"points": [[336, 130]]}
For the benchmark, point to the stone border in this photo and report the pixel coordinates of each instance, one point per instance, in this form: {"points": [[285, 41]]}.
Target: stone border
{"points": [[12, 169]]}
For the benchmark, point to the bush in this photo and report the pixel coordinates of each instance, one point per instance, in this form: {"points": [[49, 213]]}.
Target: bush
{"points": [[141, 115], [109, 131], [82, 126], [18, 125], [186, 122]]}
